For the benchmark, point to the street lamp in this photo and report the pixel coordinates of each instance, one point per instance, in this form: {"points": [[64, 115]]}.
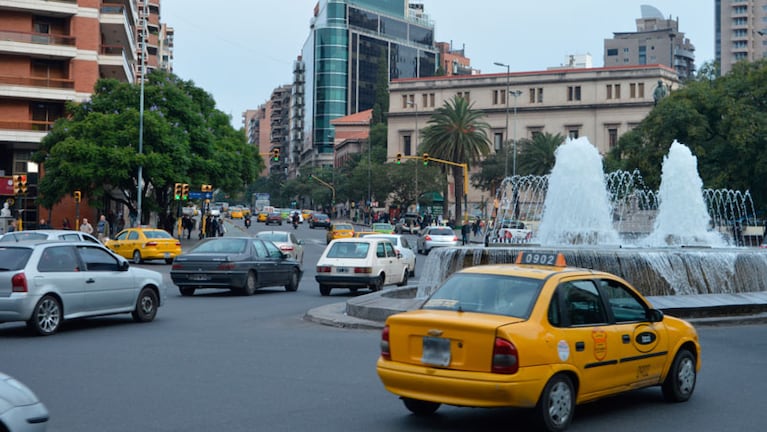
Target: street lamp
{"points": [[506, 96], [516, 94], [415, 105]]}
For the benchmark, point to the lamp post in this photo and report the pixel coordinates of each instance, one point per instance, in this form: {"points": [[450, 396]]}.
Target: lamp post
{"points": [[506, 96], [516, 94], [141, 113], [415, 105]]}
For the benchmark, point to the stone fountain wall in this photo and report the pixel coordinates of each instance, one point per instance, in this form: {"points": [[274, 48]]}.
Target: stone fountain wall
{"points": [[654, 272]]}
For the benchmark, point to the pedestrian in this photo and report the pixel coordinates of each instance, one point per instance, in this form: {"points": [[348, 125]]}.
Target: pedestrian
{"points": [[186, 224], [102, 229], [465, 229], [86, 227], [12, 227], [475, 227], [43, 225], [65, 224]]}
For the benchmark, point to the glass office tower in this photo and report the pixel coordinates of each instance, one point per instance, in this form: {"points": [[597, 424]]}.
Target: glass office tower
{"points": [[349, 40]]}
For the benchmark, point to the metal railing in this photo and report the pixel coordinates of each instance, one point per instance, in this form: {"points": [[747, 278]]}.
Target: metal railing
{"points": [[27, 125], [36, 38], [38, 82]]}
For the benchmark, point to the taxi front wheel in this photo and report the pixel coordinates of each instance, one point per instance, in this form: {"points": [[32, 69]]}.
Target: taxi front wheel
{"points": [[420, 407], [557, 403], [680, 382]]}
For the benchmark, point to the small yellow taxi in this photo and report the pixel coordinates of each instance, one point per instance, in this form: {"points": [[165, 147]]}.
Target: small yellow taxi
{"points": [[236, 213], [306, 214], [261, 217], [339, 230], [535, 334], [141, 244]]}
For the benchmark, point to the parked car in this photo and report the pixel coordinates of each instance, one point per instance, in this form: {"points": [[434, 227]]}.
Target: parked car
{"points": [[356, 263], [403, 247], [20, 409], [142, 244], [287, 242], [240, 264], [339, 230], [512, 231], [409, 223], [46, 282], [69, 235], [436, 236], [382, 227], [536, 335], [274, 218], [319, 220]]}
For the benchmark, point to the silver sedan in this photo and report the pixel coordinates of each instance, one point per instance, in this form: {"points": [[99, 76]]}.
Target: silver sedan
{"points": [[436, 236]]}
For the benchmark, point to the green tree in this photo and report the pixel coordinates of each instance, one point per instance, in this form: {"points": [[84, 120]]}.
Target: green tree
{"points": [[185, 140], [456, 133], [536, 156]]}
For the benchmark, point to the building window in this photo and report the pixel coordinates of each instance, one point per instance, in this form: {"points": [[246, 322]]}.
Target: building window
{"points": [[406, 145], [617, 88], [431, 100], [499, 97], [404, 101], [632, 90], [466, 95], [498, 141], [535, 131], [408, 100], [609, 90], [572, 133], [573, 93], [536, 94], [612, 138], [612, 52], [640, 90]]}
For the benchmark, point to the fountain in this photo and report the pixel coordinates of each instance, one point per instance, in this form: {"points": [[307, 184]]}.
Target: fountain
{"points": [[665, 243]]}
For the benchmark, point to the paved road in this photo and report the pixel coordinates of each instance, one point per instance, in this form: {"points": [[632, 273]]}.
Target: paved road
{"points": [[218, 362]]}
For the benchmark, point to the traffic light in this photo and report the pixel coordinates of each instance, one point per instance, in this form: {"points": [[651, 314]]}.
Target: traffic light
{"points": [[19, 184], [276, 155], [185, 191], [399, 158], [206, 188], [78, 196], [177, 191], [426, 159], [23, 184]]}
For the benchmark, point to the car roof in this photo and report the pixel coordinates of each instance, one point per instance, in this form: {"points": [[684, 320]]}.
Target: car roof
{"points": [[365, 239], [530, 271]]}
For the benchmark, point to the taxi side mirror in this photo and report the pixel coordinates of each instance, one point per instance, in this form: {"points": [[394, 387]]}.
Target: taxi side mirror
{"points": [[654, 315]]}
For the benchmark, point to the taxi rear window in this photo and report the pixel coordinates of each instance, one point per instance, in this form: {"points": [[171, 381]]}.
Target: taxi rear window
{"points": [[486, 293]]}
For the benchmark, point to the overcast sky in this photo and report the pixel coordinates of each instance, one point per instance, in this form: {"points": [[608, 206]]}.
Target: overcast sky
{"points": [[240, 50]]}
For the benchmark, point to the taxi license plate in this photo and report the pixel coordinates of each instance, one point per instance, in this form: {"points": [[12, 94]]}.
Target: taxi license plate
{"points": [[167, 254], [199, 277], [342, 269], [436, 351]]}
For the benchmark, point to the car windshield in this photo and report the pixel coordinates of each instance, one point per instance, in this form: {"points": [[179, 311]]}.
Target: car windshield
{"points": [[348, 250], [320, 217], [441, 231], [157, 234], [222, 245], [343, 227], [273, 236], [12, 258], [23, 235], [384, 226], [486, 293]]}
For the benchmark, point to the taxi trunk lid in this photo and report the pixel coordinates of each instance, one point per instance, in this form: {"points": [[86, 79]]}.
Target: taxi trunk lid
{"points": [[447, 339]]}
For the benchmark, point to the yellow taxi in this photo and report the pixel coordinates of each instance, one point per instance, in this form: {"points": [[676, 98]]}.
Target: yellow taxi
{"points": [[339, 230], [261, 217], [306, 214], [236, 213], [536, 334], [141, 244]]}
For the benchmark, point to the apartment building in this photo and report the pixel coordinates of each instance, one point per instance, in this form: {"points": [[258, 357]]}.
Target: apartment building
{"points": [[52, 52], [599, 103], [741, 31]]}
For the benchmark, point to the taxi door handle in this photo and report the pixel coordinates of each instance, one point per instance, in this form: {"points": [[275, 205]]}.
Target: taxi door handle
{"points": [[626, 339], [580, 346]]}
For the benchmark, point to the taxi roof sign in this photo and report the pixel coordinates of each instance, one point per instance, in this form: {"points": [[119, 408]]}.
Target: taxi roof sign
{"points": [[541, 258]]}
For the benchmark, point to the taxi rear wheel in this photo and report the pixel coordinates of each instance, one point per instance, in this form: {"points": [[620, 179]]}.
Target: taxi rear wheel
{"points": [[557, 403], [420, 407], [137, 257], [680, 382]]}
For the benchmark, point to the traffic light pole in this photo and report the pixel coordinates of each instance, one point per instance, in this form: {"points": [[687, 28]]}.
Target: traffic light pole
{"points": [[465, 178], [329, 186]]}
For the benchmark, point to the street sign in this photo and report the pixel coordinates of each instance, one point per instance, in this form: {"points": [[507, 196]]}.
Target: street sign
{"points": [[198, 195]]}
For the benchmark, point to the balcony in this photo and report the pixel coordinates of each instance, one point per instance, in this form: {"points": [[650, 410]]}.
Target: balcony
{"points": [[114, 63], [28, 131], [37, 44], [117, 28], [59, 8], [51, 89]]}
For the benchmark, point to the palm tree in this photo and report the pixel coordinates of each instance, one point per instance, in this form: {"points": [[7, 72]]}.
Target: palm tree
{"points": [[455, 133], [536, 156]]}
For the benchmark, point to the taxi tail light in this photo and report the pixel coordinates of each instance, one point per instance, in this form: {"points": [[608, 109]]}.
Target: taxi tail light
{"points": [[323, 269], [150, 244], [385, 353], [226, 266], [366, 270], [505, 357], [19, 282]]}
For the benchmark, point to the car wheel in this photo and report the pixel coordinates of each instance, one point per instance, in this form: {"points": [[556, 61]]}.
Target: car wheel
{"points": [[146, 306], [377, 284], [324, 290], [557, 404], [404, 277], [293, 282], [168, 260], [186, 291], [680, 382], [426, 251], [420, 407], [250, 284], [137, 257], [46, 316]]}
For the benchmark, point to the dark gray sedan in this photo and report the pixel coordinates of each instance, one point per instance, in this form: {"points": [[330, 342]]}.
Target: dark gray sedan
{"points": [[240, 264]]}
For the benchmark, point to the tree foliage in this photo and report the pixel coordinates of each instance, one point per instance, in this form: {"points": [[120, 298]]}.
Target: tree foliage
{"points": [[185, 140], [456, 133], [722, 120]]}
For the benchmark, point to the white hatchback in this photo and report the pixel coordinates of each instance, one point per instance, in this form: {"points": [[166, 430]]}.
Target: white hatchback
{"points": [[402, 246], [364, 262]]}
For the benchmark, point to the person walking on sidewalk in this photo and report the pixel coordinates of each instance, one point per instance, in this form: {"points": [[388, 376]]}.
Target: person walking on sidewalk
{"points": [[465, 229]]}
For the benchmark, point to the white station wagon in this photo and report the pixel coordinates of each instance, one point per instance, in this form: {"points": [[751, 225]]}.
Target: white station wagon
{"points": [[364, 262]]}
